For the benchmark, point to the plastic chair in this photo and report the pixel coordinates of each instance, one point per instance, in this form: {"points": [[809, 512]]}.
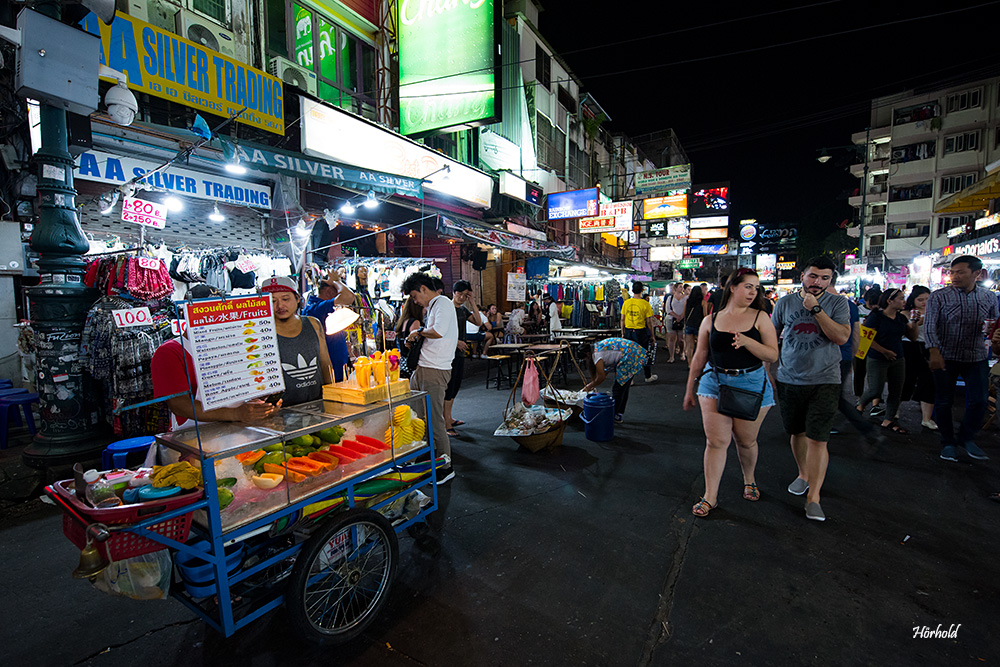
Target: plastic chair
{"points": [[12, 391], [17, 401], [116, 453], [6, 384]]}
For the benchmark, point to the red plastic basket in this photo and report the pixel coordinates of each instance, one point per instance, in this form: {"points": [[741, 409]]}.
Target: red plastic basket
{"points": [[124, 544]]}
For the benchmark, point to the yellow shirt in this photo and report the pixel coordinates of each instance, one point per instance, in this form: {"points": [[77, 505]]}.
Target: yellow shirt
{"points": [[634, 313]]}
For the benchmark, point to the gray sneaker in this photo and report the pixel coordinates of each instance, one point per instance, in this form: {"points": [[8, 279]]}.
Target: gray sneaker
{"points": [[949, 453], [798, 487], [973, 450], [815, 512]]}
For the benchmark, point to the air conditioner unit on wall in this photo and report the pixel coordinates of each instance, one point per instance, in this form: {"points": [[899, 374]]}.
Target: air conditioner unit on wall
{"points": [[202, 31], [160, 13], [292, 74]]}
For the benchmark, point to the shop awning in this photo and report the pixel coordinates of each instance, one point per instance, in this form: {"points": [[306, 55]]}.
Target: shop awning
{"points": [[456, 228], [976, 197], [265, 158]]}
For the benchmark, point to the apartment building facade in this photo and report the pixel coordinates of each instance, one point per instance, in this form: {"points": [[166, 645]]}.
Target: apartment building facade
{"points": [[920, 148]]}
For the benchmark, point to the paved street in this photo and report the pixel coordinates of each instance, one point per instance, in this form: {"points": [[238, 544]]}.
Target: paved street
{"points": [[590, 556]]}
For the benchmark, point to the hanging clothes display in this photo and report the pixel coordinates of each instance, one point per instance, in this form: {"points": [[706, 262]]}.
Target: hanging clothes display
{"points": [[119, 359]]}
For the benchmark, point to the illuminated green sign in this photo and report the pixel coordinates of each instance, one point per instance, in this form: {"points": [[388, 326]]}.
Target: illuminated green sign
{"points": [[448, 62]]}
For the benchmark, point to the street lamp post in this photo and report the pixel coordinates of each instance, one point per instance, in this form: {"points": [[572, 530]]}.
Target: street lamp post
{"points": [[59, 304]]}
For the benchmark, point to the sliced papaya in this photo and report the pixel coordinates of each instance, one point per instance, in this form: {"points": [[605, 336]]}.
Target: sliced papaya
{"points": [[290, 475], [325, 457], [249, 458], [371, 442], [305, 465]]}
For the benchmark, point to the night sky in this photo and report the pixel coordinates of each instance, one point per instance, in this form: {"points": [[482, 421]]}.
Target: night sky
{"points": [[759, 118]]}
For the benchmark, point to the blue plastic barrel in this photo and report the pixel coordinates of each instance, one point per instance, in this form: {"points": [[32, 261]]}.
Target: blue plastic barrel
{"points": [[599, 417]]}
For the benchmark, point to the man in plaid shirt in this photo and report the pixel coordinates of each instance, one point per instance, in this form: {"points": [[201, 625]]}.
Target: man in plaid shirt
{"points": [[953, 329]]}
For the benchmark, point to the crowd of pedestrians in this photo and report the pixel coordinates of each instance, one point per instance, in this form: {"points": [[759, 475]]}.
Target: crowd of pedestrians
{"points": [[813, 353]]}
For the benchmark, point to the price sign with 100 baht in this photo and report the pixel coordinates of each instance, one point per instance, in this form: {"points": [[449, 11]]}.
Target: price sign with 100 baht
{"points": [[235, 348], [144, 212]]}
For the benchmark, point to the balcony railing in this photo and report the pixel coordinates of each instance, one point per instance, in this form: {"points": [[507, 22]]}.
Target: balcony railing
{"points": [[875, 251], [875, 220], [909, 233]]}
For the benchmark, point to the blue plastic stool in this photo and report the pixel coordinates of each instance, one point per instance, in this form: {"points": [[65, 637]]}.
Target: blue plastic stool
{"points": [[6, 384], [12, 391], [17, 401], [115, 454]]}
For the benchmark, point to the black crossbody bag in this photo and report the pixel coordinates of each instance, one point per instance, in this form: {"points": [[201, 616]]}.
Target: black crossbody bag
{"points": [[735, 402]]}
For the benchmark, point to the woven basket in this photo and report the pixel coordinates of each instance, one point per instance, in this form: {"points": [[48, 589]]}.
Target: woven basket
{"points": [[539, 441]]}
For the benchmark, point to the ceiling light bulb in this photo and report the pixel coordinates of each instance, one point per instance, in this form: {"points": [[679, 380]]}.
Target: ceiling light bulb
{"points": [[235, 167], [215, 216], [371, 201], [108, 201], [173, 204], [347, 208]]}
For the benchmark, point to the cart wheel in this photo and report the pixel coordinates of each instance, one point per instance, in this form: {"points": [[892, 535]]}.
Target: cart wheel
{"points": [[342, 578]]}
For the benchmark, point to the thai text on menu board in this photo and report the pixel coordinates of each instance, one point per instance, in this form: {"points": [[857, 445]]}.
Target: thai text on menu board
{"points": [[235, 349]]}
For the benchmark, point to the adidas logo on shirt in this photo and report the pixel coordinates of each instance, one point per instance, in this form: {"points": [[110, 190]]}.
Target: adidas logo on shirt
{"points": [[303, 370]]}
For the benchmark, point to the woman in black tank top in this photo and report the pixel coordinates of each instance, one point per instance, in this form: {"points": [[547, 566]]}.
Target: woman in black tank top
{"points": [[736, 342]]}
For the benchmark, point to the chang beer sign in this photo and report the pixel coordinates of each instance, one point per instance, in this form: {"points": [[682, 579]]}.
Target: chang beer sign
{"points": [[448, 64]]}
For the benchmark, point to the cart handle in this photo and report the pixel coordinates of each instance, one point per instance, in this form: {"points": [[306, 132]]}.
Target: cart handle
{"points": [[96, 531]]}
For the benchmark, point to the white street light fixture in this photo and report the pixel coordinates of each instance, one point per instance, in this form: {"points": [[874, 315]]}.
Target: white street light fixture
{"points": [[347, 208], [215, 216], [235, 167], [370, 200], [173, 204]]}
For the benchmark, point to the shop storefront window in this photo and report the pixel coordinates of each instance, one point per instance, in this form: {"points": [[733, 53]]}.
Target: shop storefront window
{"points": [[215, 9]]}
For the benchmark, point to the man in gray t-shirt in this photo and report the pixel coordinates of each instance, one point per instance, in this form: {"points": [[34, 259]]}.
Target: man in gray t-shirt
{"points": [[813, 324]]}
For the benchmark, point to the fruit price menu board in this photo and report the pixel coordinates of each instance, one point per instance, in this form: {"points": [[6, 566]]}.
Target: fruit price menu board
{"points": [[235, 349]]}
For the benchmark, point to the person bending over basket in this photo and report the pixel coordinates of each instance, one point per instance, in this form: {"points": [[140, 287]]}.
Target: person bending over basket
{"points": [[625, 358]]}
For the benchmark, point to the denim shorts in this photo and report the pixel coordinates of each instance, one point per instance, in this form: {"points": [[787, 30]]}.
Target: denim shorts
{"points": [[690, 331], [709, 387]]}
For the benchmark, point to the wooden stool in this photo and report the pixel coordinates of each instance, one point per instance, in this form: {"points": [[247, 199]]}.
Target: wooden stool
{"points": [[499, 358]]}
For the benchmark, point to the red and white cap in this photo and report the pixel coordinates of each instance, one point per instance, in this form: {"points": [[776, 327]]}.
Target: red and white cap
{"points": [[279, 284]]}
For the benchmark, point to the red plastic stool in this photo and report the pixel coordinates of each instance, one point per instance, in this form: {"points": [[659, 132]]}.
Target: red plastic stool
{"points": [[17, 401]]}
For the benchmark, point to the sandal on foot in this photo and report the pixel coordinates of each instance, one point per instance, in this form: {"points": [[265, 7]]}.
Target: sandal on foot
{"points": [[895, 428], [457, 422], [702, 508], [751, 492], [452, 433]]}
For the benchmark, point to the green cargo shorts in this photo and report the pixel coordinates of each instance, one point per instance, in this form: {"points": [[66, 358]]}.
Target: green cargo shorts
{"points": [[808, 408]]}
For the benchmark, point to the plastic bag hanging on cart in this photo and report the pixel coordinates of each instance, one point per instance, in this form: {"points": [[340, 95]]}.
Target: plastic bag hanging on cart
{"points": [[145, 577]]}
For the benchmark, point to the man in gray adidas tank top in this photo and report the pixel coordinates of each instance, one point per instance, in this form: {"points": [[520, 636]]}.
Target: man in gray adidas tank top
{"points": [[305, 360]]}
